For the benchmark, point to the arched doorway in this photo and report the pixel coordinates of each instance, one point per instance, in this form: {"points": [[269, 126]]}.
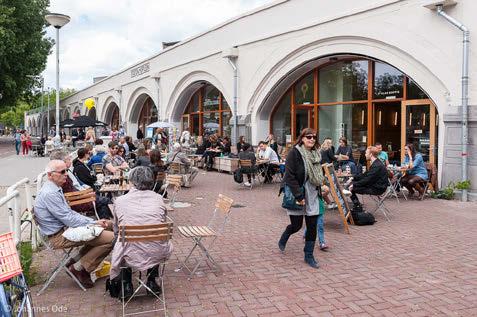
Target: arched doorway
{"points": [[66, 114], [207, 112], [362, 99], [111, 116], [147, 115]]}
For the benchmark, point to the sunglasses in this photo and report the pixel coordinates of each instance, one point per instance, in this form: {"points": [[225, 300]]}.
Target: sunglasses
{"points": [[62, 172], [310, 137]]}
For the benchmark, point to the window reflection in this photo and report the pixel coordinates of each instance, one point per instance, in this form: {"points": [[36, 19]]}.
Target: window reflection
{"points": [[282, 121], [387, 82]]}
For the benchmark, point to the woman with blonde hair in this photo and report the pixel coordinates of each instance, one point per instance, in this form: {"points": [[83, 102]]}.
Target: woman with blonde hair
{"points": [[327, 151]]}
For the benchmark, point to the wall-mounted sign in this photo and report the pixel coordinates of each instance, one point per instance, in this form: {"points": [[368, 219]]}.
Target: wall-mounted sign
{"points": [[139, 70], [417, 131]]}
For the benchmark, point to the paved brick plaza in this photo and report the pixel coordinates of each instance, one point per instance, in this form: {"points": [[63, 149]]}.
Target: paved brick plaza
{"points": [[422, 263]]}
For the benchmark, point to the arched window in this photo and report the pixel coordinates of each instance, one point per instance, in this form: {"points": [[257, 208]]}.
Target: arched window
{"points": [[207, 112], [148, 114], [363, 100], [115, 118]]}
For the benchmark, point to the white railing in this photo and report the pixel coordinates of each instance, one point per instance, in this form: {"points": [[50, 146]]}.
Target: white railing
{"points": [[16, 215], [12, 198]]}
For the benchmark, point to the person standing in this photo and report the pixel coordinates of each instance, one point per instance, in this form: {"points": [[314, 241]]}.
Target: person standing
{"points": [[304, 177], [23, 140], [18, 141], [139, 134]]}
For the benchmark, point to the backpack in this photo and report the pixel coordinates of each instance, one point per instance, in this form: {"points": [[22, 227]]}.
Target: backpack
{"points": [[363, 218], [238, 176]]}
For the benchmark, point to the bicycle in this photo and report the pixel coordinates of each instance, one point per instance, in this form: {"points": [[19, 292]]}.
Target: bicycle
{"points": [[15, 297]]}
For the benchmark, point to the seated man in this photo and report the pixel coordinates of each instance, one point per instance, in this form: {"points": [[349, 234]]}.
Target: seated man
{"points": [[112, 161], [72, 184], [372, 182], [267, 153], [53, 216], [382, 156], [141, 206], [247, 154], [177, 156]]}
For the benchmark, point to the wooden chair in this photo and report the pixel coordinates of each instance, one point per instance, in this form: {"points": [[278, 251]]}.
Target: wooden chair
{"points": [[248, 168], [213, 229], [174, 182], [146, 233], [82, 197]]}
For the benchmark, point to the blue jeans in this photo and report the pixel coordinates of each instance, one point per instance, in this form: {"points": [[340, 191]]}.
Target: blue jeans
{"points": [[320, 228], [17, 146]]}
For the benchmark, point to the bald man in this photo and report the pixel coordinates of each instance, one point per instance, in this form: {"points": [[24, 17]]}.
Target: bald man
{"points": [[54, 216]]}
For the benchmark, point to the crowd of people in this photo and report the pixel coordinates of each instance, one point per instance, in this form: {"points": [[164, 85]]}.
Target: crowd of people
{"points": [[306, 192]]}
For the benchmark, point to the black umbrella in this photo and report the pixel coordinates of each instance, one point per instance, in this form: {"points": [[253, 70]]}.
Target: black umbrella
{"points": [[85, 121], [68, 123]]}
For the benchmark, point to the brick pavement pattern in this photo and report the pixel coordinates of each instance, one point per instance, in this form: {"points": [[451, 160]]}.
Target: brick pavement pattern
{"points": [[421, 263]]}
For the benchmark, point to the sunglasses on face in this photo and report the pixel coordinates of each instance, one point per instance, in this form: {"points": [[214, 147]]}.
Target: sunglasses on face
{"points": [[310, 137], [62, 172]]}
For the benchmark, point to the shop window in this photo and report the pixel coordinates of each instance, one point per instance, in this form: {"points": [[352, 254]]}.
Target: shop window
{"points": [[211, 98], [304, 90], [413, 90], [210, 123], [388, 82], [281, 121], [350, 121], [226, 126], [343, 81]]}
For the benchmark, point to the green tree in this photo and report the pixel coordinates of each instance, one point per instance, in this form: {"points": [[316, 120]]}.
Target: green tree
{"points": [[23, 48], [15, 116]]}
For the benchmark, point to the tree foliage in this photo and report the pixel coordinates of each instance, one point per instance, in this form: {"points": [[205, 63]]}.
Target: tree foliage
{"points": [[23, 48], [14, 117]]}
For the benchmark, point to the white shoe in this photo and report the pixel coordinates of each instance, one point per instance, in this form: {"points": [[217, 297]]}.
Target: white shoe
{"points": [[247, 184]]}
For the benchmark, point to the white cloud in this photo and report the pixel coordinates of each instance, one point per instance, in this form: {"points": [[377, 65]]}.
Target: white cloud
{"points": [[105, 36]]}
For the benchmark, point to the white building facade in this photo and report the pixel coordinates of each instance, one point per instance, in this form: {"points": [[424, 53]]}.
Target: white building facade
{"points": [[384, 71]]}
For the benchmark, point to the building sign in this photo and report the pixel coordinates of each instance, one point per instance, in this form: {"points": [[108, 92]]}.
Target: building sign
{"points": [[142, 69]]}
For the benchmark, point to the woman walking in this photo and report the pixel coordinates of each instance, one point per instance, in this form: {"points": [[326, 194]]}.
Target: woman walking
{"points": [[304, 177]]}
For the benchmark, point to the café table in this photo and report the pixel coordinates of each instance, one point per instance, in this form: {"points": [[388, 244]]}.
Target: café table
{"points": [[115, 189]]}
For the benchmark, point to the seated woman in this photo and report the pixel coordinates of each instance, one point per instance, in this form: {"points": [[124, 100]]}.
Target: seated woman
{"points": [[344, 155], [158, 169], [142, 157], [212, 151], [141, 206], [416, 172], [247, 154], [188, 171]]}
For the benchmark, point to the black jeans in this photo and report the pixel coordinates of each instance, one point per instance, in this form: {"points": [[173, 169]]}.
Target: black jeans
{"points": [[364, 191], [297, 221]]}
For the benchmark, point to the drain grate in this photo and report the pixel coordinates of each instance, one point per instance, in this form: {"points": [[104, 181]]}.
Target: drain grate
{"points": [[238, 206]]}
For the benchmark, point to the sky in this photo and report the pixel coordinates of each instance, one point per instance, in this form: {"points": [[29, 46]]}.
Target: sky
{"points": [[105, 36]]}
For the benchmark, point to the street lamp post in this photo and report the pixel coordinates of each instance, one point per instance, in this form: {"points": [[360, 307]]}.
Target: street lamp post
{"points": [[48, 113], [58, 21]]}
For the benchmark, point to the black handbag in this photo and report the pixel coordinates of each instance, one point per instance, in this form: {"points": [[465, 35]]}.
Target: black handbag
{"points": [[289, 200]]}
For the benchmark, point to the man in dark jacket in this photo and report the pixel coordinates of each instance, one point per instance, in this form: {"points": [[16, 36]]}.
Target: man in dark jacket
{"points": [[372, 182], [246, 154]]}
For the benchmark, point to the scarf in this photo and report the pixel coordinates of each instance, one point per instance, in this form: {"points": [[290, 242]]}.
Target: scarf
{"points": [[312, 161]]}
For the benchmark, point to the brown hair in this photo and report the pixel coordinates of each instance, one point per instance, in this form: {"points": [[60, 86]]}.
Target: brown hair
{"points": [[155, 157], [307, 131], [344, 140], [413, 150]]}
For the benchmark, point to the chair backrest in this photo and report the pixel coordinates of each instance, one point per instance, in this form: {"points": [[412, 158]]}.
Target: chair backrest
{"points": [[224, 204], [143, 233], [174, 180], [356, 155], [245, 163], [80, 197]]}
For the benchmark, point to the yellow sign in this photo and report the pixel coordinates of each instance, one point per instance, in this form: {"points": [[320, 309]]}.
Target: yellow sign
{"points": [[89, 103]]}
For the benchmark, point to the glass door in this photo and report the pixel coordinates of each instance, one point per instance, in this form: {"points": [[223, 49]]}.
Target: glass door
{"points": [[386, 125], [304, 118], [418, 126], [185, 122]]}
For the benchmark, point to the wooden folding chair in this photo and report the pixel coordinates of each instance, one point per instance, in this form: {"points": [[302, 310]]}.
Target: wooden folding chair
{"points": [[248, 168], [197, 233], [174, 182], [175, 168], [146, 233], [82, 197]]}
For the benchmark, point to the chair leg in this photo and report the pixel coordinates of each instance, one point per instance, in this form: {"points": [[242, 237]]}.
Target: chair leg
{"points": [[184, 263], [205, 255]]}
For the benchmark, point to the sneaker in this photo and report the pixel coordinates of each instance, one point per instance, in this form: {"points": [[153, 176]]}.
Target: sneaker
{"points": [[323, 246], [247, 184]]}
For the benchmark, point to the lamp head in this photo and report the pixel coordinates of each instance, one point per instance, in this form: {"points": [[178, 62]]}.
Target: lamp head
{"points": [[57, 20]]}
